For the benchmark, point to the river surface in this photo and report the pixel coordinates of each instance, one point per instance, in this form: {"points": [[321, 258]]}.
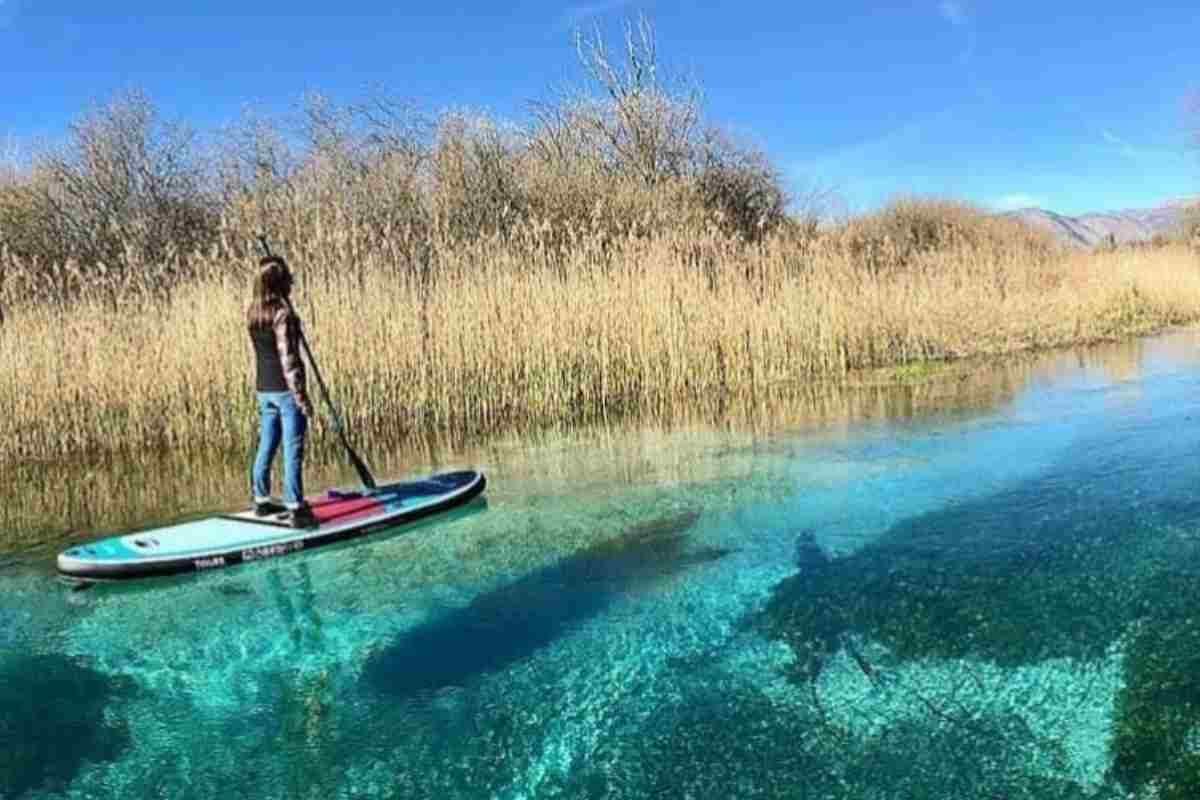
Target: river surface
{"points": [[982, 586]]}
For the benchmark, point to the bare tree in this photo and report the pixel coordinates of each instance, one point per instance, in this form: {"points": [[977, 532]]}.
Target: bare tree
{"points": [[255, 165], [128, 187], [634, 120], [647, 122], [476, 165], [10, 171], [394, 127], [13, 160], [378, 140]]}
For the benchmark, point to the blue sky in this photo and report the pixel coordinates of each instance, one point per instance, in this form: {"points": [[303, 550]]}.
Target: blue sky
{"points": [[1072, 105]]}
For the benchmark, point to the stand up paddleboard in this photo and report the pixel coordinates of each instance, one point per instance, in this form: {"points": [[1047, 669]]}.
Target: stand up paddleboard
{"points": [[227, 539]]}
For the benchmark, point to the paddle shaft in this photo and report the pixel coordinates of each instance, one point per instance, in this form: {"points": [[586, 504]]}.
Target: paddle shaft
{"points": [[360, 466]]}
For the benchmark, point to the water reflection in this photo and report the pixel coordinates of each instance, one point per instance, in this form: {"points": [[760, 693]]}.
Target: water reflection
{"points": [[49, 505]]}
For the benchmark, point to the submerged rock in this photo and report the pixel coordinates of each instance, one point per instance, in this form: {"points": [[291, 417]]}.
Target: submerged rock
{"points": [[53, 722]]}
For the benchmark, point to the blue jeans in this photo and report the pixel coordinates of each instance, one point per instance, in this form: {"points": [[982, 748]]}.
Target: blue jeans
{"points": [[280, 417]]}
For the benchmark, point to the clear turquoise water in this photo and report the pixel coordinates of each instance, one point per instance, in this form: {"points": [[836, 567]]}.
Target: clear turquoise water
{"points": [[991, 596]]}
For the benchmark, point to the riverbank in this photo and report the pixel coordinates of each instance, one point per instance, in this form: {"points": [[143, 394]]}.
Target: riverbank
{"points": [[46, 504], [512, 340]]}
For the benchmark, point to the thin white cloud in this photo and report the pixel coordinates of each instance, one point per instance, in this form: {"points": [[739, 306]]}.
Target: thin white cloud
{"points": [[1140, 153], [575, 15], [1017, 201], [955, 12]]}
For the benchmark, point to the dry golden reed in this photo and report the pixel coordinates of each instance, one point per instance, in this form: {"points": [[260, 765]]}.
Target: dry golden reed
{"points": [[508, 334], [39, 502]]}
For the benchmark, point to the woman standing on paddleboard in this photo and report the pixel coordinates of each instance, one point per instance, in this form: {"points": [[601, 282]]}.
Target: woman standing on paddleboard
{"points": [[283, 403]]}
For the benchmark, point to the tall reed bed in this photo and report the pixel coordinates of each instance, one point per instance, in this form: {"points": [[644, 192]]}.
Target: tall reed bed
{"points": [[612, 257], [507, 334], [41, 500]]}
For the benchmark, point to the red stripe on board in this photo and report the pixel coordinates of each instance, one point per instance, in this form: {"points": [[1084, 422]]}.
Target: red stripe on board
{"points": [[326, 510]]}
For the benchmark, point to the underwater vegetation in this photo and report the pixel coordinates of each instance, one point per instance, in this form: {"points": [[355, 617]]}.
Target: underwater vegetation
{"points": [[729, 739], [53, 721], [1157, 740], [1006, 579], [1064, 564], [513, 622]]}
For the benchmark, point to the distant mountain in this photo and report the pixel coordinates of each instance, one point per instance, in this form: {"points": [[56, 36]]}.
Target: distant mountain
{"points": [[1138, 224]]}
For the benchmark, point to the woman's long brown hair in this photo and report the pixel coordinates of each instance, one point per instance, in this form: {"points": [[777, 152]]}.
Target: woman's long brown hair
{"points": [[272, 285]]}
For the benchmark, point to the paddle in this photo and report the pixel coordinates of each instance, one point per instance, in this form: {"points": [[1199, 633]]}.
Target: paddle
{"points": [[364, 474]]}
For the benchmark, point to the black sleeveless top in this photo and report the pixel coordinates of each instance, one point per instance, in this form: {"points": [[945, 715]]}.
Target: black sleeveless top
{"points": [[266, 357]]}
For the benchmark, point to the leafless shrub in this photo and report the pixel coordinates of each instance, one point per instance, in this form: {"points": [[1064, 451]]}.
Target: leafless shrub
{"points": [[255, 166], [127, 188], [351, 176], [740, 187], [909, 233], [477, 175], [644, 123], [1187, 227], [13, 160], [131, 202], [639, 123]]}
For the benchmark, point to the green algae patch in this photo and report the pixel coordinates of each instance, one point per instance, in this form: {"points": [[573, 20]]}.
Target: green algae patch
{"points": [[1156, 741], [1054, 568], [912, 372], [966, 582], [731, 740], [53, 721]]}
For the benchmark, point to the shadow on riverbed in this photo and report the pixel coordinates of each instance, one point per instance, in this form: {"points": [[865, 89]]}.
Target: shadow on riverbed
{"points": [[53, 721], [1056, 566], [515, 621]]}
